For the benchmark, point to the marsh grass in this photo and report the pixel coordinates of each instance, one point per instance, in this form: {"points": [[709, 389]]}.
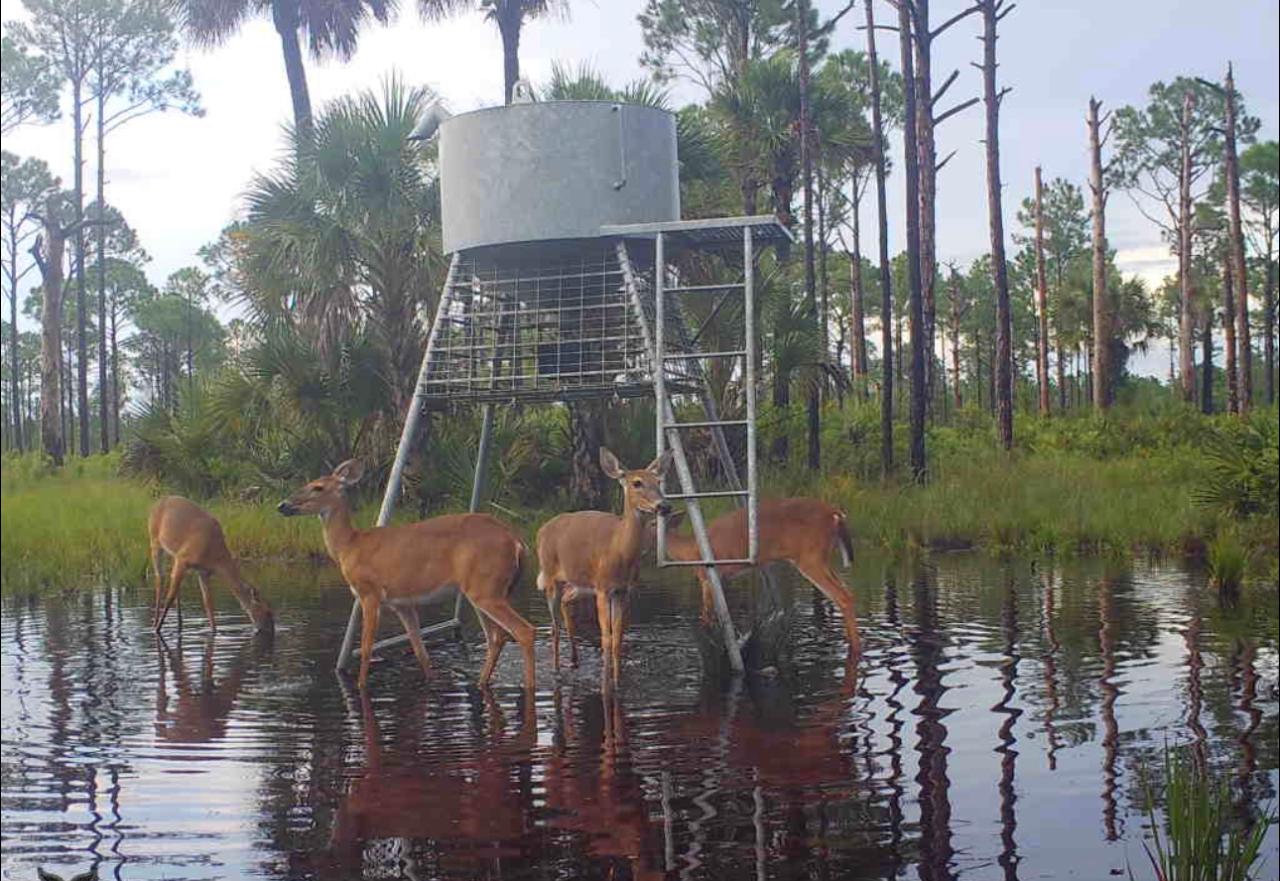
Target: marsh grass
{"points": [[1227, 561], [1203, 841], [1028, 503], [85, 525]]}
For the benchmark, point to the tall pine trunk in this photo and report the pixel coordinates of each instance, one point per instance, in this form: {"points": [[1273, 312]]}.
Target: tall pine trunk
{"points": [[928, 173], [1004, 330], [1101, 329], [1186, 310], [915, 310], [886, 273], [100, 236], [11, 271], [1042, 304], [1236, 256], [955, 341], [82, 307], [810, 292], [1269, 321]]}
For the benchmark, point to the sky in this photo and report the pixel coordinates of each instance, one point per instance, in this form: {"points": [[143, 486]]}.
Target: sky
{"points": [[179, 180]]}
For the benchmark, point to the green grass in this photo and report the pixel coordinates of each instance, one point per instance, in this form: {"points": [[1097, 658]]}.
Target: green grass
{"points": [[86, 525], [1033, 503], [1202, 840]]}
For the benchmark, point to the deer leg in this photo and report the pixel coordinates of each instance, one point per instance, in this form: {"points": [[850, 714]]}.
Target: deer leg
{"points": [[618, 608], [822, 577], [520, 630], [157, 562], [708, 600], [175, 582], [370, 609], [566, 612], [408, 616], [207, 596], [605, 616], [551, 590], [494, 638]]}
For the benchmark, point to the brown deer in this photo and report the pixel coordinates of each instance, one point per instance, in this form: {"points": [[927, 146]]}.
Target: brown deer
{"points": [[406, 565], [193, 537], [801, 531], [593, 552]]}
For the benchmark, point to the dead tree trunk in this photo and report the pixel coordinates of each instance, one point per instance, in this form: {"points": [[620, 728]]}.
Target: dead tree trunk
{"points": [[1229, 333], [1186, 310], [857, 308], [915, 309], [992, 12], [1101, 329], [1042, 305], [1236, 254], [49, 252], [1206, 363], [886, 273]]}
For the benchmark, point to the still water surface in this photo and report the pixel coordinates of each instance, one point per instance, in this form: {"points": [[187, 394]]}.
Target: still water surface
{"points": [[1001, 724]]}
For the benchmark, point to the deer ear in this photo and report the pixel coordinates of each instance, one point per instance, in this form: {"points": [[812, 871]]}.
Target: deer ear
{"points": [[609, 464], [660, 465], [349, 472]]}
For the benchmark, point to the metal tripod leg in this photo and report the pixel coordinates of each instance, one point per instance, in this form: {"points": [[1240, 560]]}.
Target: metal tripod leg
{"points": [[407, 435]]}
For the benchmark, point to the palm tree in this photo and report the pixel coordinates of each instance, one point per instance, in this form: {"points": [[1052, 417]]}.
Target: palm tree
{"points": [[509, 16], [340, 238], [330, 28]]}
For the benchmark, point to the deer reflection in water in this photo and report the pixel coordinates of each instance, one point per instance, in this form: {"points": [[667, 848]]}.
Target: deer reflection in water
{"points": [[474, 800], [201, 711]]}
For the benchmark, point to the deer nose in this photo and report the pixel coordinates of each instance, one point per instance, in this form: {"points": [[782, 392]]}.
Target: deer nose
{"points": [[664, 509], [285, 508]]}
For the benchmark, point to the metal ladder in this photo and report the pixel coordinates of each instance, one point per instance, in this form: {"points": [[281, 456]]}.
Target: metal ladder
{"points": [[669, 429]]}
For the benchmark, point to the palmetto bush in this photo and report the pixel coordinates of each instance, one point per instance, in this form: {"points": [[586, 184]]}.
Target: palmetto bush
{"points": [[1242, 468]]}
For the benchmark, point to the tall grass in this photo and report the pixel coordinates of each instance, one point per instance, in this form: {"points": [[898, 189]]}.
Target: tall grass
{"points": [[85, 525], [1202, 842]]}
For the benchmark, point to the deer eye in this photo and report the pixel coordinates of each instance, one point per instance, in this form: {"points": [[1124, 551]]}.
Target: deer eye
{"points": [[637, 483]]}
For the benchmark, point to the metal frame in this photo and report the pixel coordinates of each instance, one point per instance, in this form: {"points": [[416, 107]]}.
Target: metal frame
{"points": [[505, 340]]}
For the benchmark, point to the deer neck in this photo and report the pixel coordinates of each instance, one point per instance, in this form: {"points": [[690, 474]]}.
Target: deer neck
{"points": [[628, 536], [339, 532]]}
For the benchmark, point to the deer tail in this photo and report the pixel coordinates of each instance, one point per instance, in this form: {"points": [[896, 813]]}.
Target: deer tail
{"points": [[842, 534], [517, 574]]}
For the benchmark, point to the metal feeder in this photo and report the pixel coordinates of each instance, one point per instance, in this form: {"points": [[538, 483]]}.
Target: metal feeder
{"points": [[560, 218]]}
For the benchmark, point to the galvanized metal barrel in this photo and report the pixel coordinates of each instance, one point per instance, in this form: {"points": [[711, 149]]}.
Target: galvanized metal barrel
{"points": [[555, 170]]}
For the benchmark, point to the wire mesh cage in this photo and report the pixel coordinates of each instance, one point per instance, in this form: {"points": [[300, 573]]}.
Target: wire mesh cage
{"points": [[542, 325]]}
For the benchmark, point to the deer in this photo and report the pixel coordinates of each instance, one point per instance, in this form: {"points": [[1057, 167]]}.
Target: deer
{"points": [[801, 531], [193, 538], [584, 553], [406, 565]]}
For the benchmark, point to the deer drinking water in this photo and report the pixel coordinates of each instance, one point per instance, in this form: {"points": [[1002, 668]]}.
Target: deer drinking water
{"points": [[802, 531], [594, 552], [406, 565], [193, 537]]}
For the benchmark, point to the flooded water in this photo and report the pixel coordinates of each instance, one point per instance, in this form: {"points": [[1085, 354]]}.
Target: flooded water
{"points": [[1001, 725]]}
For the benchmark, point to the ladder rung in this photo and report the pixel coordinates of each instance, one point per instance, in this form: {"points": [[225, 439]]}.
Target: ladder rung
{"points": [[745, 561], [714, 494], [693, 356], [694, 288], [707, 423]]}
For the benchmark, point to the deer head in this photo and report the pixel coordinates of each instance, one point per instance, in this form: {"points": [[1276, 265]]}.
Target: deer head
{"points": [[322, 495], [642, 488]]}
